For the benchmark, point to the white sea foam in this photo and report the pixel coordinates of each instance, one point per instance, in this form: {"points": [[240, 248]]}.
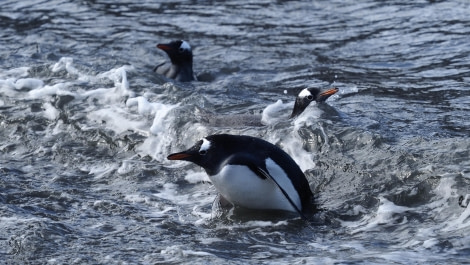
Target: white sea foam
{"points": [[178, 251], [209, 240], [127, 166], [292, 144], [115, 118], [144, 107], [430, 242], [15, 72], [204, 216], [120, 90], [7, 87], [289, 140], [6, 220], [387, 214], [28, 83], [160, 136], [102, 105], [196, 177], [160, 211], [264, 224], [276, 112], [118, 75], [156, 208], [47, 90], [161, 119], [255, 224], [170, 193], [157, 145], [50, 112], [137, 198], [427, 235], [447, 195], [16, 86], [121, 119], [63, 63], [309, 117], [100, 170]]}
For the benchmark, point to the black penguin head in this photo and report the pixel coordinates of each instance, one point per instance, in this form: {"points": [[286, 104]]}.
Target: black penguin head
{"points": [[308, 95], [179, 51], [213, 151], [207, 153]]}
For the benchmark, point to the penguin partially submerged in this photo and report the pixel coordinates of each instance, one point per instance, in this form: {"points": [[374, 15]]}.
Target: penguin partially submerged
{"points": [[308, 95], [251, 173], [181, 57], [277, 111]]}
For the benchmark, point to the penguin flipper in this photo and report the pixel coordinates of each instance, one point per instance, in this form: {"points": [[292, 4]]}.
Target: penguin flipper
{"points": [[162, 68], [247, 160], [261, 171]]}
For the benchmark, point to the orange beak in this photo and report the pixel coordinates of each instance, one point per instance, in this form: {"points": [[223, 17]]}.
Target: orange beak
{"points": [[329, 92], [178, 156]]}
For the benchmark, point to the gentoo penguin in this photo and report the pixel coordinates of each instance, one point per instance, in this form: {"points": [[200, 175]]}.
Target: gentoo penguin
{"points": [[308, 95], [181, 56], [251, 173]]}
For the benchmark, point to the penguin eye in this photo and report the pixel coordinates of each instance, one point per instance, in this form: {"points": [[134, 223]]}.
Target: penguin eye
{"points": [[181, 50], [203, 152], [310, 97]]}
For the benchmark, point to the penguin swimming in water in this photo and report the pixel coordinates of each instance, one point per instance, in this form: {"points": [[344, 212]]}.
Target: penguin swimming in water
{"points": [[308, 95], [273, 113], [181, 57], [276, 112], [251, 173]]}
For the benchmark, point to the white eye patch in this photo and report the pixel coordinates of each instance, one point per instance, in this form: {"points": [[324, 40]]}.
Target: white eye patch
{"points": [[304, 93], [206, 144], [185, 46]]}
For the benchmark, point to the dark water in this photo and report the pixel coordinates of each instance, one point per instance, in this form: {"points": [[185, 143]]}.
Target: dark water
{"points": [[86, 127]]}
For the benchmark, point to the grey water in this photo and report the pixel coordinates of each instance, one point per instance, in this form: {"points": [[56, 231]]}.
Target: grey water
{"points": [[85, 128]]}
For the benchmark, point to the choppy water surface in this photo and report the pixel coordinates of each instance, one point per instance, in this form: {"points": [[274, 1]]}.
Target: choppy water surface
{"points": [[86, 127]]}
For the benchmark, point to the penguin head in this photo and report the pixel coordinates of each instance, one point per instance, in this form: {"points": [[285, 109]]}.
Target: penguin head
{"points": [[205, 153], [179, 52], [308, 95], [213, 151]]}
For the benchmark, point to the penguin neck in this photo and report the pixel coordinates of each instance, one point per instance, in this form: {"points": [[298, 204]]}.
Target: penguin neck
{"points": [[184, 71]]}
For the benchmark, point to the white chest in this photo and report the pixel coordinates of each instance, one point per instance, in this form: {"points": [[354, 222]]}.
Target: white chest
{"points": [[242, 187]]}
